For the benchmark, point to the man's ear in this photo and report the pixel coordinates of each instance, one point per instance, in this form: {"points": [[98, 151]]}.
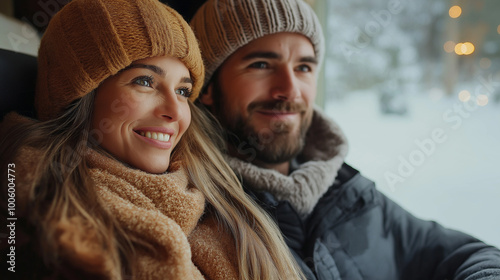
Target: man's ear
{"points": [[207, 96]]}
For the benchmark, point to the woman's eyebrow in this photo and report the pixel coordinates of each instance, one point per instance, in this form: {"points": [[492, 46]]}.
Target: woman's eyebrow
{"points": [[187, 80], [153, 68]]}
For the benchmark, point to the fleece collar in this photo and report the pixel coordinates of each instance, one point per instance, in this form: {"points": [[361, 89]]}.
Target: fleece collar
{"points": [[318, 164]]}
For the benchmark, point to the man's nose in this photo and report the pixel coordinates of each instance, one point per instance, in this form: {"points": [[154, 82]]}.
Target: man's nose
{"points": [[285, 85]]}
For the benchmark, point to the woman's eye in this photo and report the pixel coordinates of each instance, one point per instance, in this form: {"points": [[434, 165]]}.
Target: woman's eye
{"points": [[145, 81], [184, 91], [259, 65], [304, 68]]}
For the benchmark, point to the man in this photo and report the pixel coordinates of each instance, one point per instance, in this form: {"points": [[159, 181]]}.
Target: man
{"points": [[262, 59]]}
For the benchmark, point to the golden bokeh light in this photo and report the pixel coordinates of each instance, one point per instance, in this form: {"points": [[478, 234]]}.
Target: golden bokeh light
{"points": [[455, 11], [469, 48], [498, 29], [449, 46], [482, 100], [466, 48], [464, 95]]}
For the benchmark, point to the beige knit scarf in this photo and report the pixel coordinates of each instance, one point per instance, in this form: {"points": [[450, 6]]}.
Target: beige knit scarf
{"points": [[319, 162], [165, 211]]}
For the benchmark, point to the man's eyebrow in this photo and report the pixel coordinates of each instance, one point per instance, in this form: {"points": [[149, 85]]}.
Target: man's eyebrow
{"points": [[153, 68], [253, 55], [273, 55], [309, 59]]}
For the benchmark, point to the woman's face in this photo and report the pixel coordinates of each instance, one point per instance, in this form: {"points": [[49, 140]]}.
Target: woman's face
{"points": [[141, 113]]}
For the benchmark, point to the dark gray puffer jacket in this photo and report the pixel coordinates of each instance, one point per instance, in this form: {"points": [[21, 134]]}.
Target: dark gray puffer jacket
{"points": [[355, 232], [340, 227]]}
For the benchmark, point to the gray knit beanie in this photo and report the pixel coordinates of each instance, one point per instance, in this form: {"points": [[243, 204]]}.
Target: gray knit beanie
{"points": [[223, 26]]}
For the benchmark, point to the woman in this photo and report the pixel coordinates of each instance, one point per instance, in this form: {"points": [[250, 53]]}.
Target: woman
{"points": [[120, 178]]}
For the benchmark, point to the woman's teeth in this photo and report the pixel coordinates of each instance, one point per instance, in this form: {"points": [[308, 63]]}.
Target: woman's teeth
{"points": [[155, 135]]}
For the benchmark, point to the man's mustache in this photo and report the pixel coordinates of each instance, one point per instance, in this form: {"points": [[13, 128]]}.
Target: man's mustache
{"points": [[278, 106]]}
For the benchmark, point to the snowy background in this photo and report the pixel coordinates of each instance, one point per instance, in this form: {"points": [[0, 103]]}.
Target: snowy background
{"points": [[457, 184], [422, 121]]}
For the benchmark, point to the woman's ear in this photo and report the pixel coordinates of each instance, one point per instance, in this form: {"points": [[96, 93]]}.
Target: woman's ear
{"points": [[207, 96]]}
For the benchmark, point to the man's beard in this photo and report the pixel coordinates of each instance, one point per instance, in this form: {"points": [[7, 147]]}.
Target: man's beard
{"points": [[274, 144]]}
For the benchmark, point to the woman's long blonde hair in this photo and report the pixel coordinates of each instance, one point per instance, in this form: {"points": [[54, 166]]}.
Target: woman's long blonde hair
{"points": [[62, 197]]}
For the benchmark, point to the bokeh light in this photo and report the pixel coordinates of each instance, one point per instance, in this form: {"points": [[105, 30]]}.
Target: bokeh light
{"points": [[455, 11], [469, 48], [482, 100], [464, 95], [466, 48]]}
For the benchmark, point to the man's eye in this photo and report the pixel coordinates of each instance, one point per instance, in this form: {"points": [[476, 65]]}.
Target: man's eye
{"points": [[259, 65], [145, 81], [184, 91], [304, 68]]}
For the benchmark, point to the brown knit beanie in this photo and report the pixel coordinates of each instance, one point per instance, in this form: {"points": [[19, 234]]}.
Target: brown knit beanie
{"points": [[91, 40], [223, 26]]}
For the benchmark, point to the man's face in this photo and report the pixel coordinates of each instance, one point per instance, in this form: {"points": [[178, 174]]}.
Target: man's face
{"points": [[263, 94]]}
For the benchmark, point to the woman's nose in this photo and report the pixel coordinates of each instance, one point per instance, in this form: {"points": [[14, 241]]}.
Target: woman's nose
{"points": [[169, 107]]}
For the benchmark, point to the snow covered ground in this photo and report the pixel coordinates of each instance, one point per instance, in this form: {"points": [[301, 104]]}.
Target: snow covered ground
{"points": [[440, 161]]}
